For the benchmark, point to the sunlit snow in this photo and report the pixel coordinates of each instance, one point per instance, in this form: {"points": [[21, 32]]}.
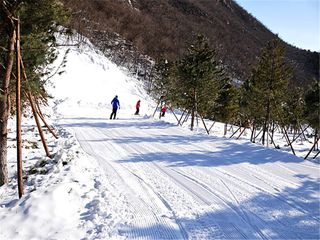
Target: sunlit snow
{"points": [[138, 177]]}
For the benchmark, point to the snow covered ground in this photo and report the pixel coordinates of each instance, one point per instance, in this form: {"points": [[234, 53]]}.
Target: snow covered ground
{"points": [[138, 177]]}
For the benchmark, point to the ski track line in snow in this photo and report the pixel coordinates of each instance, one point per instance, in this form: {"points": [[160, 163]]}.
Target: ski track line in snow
{"points": [[249, 169], [148, 187], [189, 186], [232, 205], [209, 201], [212, 227], [193, 185], [206, 147], [147, 224], [291, 202], [141, 213], [215, 229], [235, 207], [292, 205]]}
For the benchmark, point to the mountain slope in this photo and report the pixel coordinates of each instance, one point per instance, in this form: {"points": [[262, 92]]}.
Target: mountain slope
{"points": [[164, 28]]}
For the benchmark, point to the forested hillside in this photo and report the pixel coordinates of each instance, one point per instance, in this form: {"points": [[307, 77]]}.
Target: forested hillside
{"points": [[164, 29]]}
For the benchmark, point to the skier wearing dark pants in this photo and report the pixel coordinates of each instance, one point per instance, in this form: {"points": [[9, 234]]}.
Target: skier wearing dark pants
{"points": [[163, 111], [137, 108], [115, 105]]}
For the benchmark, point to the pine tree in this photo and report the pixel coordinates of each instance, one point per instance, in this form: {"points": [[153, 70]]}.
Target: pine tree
{"points": [[226, 107], [312, 111], [294, 108], [39, 22], [198, 78], [161, 83], [268, 86]]}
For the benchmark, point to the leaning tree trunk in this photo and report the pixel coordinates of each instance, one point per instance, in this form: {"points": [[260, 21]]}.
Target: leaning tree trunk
{"points": [[5, 109]]}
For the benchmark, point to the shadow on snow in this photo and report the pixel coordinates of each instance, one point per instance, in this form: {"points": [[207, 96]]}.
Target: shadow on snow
{"points": [[292, 213], [265, 216]]}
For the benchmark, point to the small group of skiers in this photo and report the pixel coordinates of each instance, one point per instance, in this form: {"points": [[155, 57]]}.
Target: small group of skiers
{"points": [[116, 105]]}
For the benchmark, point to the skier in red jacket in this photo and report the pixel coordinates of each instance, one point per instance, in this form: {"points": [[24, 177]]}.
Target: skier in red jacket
{"points": [[163, 111], [137, 108]]}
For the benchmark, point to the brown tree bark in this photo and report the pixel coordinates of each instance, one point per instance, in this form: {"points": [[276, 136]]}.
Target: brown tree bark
{"points": [[5, 108], [266, 123], [193, 110], [18, 111]]}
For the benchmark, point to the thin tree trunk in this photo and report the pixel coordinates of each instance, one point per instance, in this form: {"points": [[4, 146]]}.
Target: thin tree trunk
{"points": [[193, 109], [244, 128], [272, 132], [212, 126], [51, 130], [37, 107], [192, 118], [301, 133], [266, 123], [316, 139], [313, 147], [316, 155], [204, 124], [18, 111], [45, 146], [239, 128], [157, 107], [288, 141], [179, 122], [186, 118], [174, 114], [5, 109], [231, 128], [256, 136], [252, 133], [225, 129], [272, 141]]}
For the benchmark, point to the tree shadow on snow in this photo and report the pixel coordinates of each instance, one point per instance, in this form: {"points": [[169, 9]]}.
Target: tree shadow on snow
{"points": [[265, 216], [114, 123], [227, 153]]}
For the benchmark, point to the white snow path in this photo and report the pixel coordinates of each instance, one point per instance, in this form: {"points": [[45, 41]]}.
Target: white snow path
{"points": [[182, 185]]}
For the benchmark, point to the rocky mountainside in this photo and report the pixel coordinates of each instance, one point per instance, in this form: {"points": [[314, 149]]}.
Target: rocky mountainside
{"points": [[130, 29]]}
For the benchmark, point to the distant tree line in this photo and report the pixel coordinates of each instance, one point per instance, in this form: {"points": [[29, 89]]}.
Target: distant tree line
{"points": [[198, 84]]}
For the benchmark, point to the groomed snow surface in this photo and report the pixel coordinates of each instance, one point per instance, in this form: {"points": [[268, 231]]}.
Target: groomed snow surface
{"points": [[138, 177]]}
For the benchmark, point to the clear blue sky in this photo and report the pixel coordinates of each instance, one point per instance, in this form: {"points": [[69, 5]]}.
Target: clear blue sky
{"points": [[295, 21]]}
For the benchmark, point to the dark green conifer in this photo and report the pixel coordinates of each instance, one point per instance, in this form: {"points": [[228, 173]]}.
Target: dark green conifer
{"points": [[226, 107], [268, 86], [294, 108], [161, 82], [312, 100], [39, 20], [198, 78]]}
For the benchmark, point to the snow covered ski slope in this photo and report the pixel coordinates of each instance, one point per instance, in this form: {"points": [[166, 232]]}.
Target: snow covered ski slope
{"points": [[180, 185], [138, 177], [160, 181]]}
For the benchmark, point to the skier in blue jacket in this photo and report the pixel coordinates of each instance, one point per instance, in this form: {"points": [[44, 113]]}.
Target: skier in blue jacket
{"points": [[115, 105]]}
